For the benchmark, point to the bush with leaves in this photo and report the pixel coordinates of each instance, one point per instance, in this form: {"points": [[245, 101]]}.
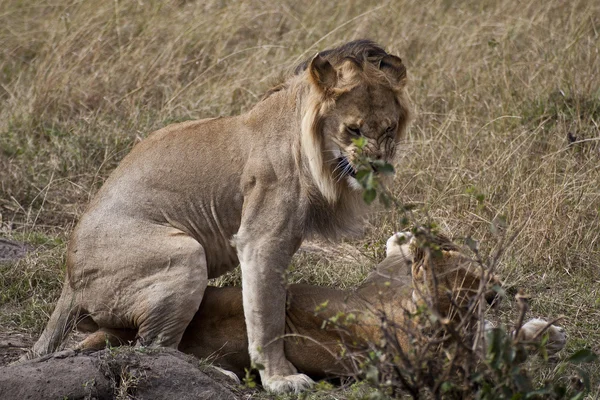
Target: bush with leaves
{"points": [[456, 358]]}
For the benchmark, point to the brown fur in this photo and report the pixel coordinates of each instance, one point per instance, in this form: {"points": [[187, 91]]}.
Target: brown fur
{"points": [[194, 199]]}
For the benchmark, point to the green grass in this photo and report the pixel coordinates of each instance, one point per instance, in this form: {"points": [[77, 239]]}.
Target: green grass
{"points": [[507, 100]]}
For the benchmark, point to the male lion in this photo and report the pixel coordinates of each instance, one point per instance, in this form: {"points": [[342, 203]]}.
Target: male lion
{"points": [[195, 199], [218, 332]]}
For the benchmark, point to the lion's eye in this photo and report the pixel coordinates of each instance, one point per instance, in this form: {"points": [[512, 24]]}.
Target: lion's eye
{"points": [[353, 130]]}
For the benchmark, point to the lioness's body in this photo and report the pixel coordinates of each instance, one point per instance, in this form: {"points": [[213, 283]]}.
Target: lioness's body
{"points": [[315, 346], [195, 198], [218, 332]]}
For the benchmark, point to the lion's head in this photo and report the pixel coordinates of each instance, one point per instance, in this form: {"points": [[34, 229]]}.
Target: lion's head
{"points": [[354, 91], [440, 267]]}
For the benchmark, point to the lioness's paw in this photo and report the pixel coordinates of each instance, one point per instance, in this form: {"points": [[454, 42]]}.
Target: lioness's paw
{"points": [[292, 383], [396, 242], [557, 337]]}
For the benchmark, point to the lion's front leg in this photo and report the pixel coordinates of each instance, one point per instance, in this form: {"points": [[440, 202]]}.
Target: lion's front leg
{"points": [[263, 265]]}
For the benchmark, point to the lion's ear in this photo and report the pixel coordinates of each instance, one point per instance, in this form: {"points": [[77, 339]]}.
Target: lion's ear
{"points": [[393, 67], [322, 73]]}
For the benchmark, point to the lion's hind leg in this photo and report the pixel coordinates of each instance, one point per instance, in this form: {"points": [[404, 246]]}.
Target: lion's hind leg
{"points": [[166, 301], [62, 320]]}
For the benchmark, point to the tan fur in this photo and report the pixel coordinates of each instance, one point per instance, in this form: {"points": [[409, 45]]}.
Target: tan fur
{"points": [[194, 199], [218, 333], [533, 329]]}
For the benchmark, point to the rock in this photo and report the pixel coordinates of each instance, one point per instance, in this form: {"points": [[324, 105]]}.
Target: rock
{"points": [[139, 372], [54, 378]]}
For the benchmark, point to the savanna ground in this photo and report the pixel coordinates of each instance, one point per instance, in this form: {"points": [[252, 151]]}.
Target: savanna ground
{"points": [[504, 140]]}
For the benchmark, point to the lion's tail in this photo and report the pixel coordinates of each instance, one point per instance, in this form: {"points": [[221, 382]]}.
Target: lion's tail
{"points": [[60, 324]]}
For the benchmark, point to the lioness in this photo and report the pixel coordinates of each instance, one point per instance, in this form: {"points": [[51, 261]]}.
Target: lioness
{"points": [[218, 331], [194, 199]]}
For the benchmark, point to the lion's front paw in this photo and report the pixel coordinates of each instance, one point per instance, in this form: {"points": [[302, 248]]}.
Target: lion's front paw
{"points": [[290, 383], [396, 241], [557, 337]]}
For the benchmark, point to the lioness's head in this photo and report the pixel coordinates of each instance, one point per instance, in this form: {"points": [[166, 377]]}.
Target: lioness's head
{"points": [[442, 274], [356, 91]]}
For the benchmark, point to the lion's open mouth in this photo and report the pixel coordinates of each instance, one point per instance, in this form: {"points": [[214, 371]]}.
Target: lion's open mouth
{"points": [[344, 167]]}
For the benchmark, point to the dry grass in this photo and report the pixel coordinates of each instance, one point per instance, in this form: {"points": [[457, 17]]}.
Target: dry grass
{"points": [[507, 97]]}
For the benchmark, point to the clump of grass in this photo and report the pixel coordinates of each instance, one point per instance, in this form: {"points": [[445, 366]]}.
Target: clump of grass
{"points": [[31, 286]]}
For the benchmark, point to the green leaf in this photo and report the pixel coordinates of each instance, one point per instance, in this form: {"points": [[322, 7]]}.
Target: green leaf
{"points": [[372, 375], [362, 174], [385, 200], [543, 392], [360, 142], [409, 206], [388, 169], [509, 355], [383, 167], [522, 381], [321, 306], [521, 354], [500, 291], [583, 356], [498, 225], [371, 182], [585, 377], [259, 366], [447, 386], [496, 341], [493, 43], [369, 195]]}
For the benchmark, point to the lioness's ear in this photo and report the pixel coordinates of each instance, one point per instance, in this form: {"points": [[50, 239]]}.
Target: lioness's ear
{"points": [[392, 66], [322, 73], [419, 257]]}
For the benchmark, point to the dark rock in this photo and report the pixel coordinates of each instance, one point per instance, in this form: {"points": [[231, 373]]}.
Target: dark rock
{"points": [[140, 373]]}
